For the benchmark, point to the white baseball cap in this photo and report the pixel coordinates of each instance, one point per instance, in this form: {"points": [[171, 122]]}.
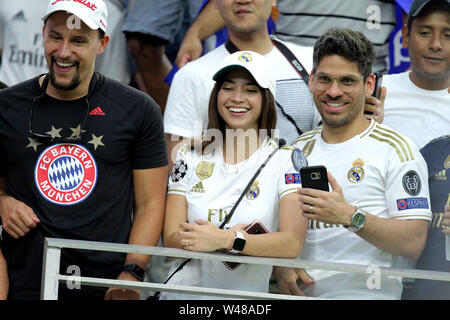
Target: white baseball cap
{"points": [[92, 12], [259, 67]]}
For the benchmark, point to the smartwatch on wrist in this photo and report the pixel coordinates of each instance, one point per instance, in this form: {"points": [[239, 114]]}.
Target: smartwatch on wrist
{"points": [[135, 271], [238, 242], [358, 220]]}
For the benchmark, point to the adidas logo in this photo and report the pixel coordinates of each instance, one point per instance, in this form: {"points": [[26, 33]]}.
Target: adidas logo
{"points": [[97, 112], [198, 188], [441, 176], [19, 16]]}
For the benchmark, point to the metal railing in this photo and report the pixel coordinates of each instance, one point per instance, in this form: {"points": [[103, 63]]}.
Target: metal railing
{"points": [[52, 255]]}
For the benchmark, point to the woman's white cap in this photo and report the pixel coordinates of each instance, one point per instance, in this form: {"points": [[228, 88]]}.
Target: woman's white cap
{"points": [[259, 67]]}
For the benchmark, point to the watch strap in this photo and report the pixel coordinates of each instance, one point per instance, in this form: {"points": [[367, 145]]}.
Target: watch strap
{"points": [[135, 271]]}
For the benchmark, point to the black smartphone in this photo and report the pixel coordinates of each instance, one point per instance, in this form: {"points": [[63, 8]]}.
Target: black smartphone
{"points": [[256, 227], [314, 177], [378, 84]]}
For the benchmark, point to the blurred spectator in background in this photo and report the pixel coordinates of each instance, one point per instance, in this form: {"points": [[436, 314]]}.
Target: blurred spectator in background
{"points": [[115, 62], [150, 26], [421, 96], [21, 40], [302, 22]]}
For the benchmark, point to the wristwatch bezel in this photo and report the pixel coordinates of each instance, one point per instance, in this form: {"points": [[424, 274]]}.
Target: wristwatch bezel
{"points": [[358, 220]]}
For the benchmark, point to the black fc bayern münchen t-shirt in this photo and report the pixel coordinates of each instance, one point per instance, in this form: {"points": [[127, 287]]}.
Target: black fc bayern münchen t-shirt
{"points": [[78, 189]]}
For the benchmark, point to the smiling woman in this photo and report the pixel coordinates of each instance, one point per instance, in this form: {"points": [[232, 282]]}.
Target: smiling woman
{"points": [[241, 105], [207, 182]]}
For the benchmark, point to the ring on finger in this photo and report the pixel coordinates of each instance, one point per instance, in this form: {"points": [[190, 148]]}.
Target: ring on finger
{"points": [[311, 209]]}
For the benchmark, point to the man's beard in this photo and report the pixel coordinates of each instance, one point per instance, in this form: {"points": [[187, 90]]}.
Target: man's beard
{"points": [[72, 85]]}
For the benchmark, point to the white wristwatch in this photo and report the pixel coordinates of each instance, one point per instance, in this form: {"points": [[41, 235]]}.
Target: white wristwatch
{"points": [[238, 242]]}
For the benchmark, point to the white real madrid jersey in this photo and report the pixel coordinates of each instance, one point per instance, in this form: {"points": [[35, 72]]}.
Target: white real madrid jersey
{"points": [[381, 172], [211, 188]]}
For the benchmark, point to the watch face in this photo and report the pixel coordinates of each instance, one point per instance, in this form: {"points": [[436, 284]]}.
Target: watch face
{"points": [[238, 244], [359, 219]]}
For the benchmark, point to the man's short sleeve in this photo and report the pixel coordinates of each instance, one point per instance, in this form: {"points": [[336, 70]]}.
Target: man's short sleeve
{"points": [[150, 146], [407, 190], [288, 178]]}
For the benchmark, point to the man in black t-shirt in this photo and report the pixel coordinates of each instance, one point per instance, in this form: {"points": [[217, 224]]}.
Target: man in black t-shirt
{"points": [[81, 157]]}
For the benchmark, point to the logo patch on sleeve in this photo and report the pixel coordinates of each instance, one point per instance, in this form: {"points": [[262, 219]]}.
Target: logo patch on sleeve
{"points": [[411, 183], [290, 178], [298, 159], [179, 170], [65, 174], [412, 203]]}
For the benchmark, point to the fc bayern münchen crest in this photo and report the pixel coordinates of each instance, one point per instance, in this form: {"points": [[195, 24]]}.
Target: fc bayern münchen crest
{"points": [[65, 174]]}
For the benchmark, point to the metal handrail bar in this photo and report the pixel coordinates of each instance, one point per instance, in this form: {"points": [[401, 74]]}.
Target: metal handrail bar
{"points": [[282, 262], [52, 254]]}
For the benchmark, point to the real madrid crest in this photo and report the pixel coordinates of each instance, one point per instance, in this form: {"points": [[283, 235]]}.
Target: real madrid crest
{"points": [[253, 192], [65, 174], [245, 57], [204, 169], [356, 173]]}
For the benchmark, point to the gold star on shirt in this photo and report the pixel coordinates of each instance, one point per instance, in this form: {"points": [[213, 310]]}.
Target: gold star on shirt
{"points": [[76, 132], [54, 133], [33, 144], [96, 141]]}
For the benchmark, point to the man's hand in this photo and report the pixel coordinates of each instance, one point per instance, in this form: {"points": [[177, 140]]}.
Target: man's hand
{"points": [[288, 280], [328, 207], [123, 294], [191, 48], [17, 218], [374, 108]]}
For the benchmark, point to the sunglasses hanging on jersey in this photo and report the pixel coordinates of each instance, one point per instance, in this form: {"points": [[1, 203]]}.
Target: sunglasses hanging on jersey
{"points": [[47, 138]]}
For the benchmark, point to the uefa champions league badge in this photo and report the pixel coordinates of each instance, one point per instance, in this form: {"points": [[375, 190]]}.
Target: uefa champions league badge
{"points": [[298, 159], [65, 174]]}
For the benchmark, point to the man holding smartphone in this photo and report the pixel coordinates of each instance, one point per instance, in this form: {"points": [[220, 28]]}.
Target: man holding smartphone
{"points": [[378, 206]]}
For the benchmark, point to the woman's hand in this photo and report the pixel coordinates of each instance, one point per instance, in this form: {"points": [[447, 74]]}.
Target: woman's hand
{"points": [[205, 236]]}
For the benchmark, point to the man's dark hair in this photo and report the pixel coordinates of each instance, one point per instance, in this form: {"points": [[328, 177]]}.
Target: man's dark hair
{"points": [[3, 85], [352, 45]]}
